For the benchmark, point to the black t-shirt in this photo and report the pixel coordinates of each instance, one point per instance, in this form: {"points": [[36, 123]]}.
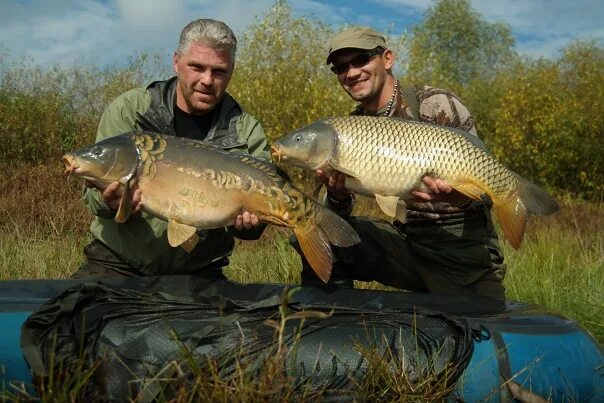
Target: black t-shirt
{"points": [[191, 126]]}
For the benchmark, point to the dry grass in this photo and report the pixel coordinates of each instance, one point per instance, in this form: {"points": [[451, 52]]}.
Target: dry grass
{"points": [[43, 228]]}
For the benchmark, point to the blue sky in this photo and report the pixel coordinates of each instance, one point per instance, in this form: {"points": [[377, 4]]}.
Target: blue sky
{"points": [[101, 32]]}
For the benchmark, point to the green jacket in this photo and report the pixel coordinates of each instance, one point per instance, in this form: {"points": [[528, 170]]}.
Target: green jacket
{"points": [[141, 242]]}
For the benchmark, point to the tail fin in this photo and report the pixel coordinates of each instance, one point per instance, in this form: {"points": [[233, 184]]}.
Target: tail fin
{"points": [[337, 230], [316, 236], [317, 250], [512, 215], [537, 201], [513, 211]]}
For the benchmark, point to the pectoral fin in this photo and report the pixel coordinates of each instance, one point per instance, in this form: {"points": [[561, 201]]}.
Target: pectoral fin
{"points": [[190, 243], [179, 233], [388, 204], [125, 208], [401, 212]]}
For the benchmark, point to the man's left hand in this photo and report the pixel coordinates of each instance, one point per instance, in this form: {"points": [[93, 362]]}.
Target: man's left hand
{"points": [[246, 220]]}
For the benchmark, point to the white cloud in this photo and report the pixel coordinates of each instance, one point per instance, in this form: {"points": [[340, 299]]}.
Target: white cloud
{"points": [[101, 32], [56, 35], [325, 11], [544, 27], [541, 27], [237, 14]]}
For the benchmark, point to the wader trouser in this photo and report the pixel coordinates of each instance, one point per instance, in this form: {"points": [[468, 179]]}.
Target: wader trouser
{"points": [[460, 256], [101, 262]]}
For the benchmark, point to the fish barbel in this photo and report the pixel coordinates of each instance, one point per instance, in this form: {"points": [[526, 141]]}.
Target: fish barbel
{"points": [[192, 184], [387, 158]]}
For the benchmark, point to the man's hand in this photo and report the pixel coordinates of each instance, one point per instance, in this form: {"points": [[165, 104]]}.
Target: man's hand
{"points": [[439, 191], [112, 195], [246, 220], [335, 183]]}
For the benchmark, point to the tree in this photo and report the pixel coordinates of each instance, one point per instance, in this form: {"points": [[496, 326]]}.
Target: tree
{"points": [[454, 45], [548, 123], [280, 74]]}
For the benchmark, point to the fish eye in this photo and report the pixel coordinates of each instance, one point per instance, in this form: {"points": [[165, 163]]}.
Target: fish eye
{"points": [[298, 138], [97, 151]]}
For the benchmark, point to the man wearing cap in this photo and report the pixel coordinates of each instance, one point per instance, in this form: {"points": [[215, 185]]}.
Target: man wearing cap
{"points": [[448, 244]]}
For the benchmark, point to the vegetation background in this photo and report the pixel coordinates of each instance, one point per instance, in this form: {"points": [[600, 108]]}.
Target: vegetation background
{"points": [[543, 118]]}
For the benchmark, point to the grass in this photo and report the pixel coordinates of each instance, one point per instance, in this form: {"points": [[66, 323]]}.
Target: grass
{"points": [[561, 265], [43, 228]]}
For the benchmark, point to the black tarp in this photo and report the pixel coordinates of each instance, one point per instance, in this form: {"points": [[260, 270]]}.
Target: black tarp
{"points": [[130, 331]]}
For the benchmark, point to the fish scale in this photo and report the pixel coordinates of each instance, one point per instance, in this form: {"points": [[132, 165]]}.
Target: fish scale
{"points": [[435, 150], [388, 158], [196, 185]]}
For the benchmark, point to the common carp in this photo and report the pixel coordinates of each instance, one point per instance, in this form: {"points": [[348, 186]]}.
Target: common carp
{"points": [[192, 184], [387, 158]]}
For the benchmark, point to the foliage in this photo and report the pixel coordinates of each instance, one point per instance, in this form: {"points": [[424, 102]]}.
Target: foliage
{"points": [[540, 117], [546, 123], [454, 45], [281, 76], [46, 112]]}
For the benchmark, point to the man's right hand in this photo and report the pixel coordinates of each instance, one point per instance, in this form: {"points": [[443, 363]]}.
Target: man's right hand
{"points": [[335, 181], [112, 195]]}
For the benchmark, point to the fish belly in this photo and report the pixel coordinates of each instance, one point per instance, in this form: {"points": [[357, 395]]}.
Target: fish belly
{"points": [[374, 171], [369, 186]]}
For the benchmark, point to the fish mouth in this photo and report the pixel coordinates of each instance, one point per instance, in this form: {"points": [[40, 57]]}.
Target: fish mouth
{"points": [[70, 164], [276, 153]]}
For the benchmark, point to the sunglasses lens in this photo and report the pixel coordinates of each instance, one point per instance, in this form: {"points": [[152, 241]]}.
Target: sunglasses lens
{"points": [[338, 69], [358, 61], [361, 60]]}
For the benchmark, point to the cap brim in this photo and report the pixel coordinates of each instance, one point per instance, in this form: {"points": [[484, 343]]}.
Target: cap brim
{"points": [[346, 46]]}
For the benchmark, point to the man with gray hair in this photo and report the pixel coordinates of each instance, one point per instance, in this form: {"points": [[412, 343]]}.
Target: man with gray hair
{"points": [[193, 104]]}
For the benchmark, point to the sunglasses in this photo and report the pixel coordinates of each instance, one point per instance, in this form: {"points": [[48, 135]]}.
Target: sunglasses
{"points": [[358, 61]]}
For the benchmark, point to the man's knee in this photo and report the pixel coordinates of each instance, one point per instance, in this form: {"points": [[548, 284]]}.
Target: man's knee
{"points": [[102, 263], [492, 284]]}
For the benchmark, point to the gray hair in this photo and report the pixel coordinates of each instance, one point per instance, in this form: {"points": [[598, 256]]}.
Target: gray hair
{"points": [[214, 33]]}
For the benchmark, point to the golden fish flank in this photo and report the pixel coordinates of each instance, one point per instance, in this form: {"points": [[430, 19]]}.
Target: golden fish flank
{"points": [[193, 185], [200, 198], [387, 158]]}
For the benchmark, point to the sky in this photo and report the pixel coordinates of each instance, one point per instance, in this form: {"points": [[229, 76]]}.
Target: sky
{"points": [[107, 32]]}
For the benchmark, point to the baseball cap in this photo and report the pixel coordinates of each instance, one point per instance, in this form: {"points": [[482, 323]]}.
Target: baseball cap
{"points": [[357, 38]]}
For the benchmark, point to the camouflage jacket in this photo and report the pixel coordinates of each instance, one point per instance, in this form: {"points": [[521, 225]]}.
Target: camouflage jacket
{"points": [[141, 242]]}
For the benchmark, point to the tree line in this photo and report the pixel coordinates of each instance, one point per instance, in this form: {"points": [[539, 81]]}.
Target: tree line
{"points": [[541, 117]]}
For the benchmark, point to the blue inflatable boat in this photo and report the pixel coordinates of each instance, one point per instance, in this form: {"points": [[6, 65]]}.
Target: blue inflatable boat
{"points": [[515, 347]]}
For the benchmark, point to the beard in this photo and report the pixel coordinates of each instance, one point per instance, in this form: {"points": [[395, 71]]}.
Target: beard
{"points": [[199, 103]]}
